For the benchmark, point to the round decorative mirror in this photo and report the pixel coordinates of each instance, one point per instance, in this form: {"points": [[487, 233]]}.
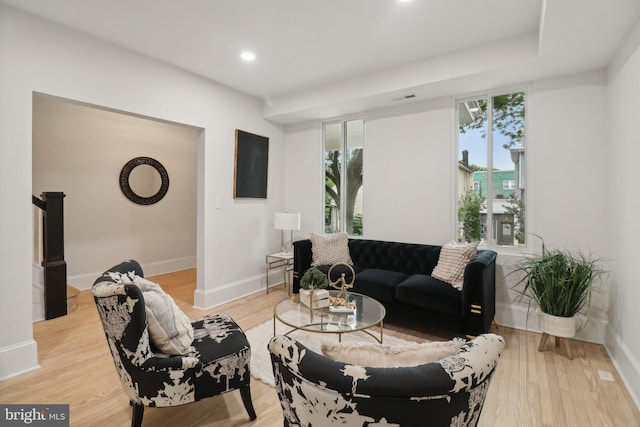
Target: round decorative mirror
{"points": [[144, 180]]}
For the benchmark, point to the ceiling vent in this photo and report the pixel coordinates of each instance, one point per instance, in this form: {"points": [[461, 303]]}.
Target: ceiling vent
{"points": [[402, 98]]}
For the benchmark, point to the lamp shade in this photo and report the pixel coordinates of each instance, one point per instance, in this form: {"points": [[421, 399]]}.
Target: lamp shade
{"points": [[286, 221]]}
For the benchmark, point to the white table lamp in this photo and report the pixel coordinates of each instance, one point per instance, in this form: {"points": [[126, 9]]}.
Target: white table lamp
{"points": [[286, 221]]}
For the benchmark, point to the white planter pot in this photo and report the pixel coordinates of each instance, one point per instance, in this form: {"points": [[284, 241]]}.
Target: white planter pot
{"points": [[320, 297], [557, 326]]}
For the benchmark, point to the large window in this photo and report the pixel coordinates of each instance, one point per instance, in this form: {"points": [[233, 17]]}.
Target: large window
{"points": [[343, 151], [491, 146]]}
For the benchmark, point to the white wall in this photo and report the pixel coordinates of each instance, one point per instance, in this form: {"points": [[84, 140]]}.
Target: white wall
{"points": [[623, 338], [407, 174], [567, 177], [410, 165], [39, 56], [304, 171], [406, 162], [19, 351], [81, 150]]}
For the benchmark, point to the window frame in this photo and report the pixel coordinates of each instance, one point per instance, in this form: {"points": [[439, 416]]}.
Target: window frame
{"points": [[343, 121], [489, 95], [511, 186]]}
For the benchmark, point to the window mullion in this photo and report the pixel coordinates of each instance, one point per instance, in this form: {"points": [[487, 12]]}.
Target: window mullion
{"points": [[343, 181], [489, 199], [342, 151]]}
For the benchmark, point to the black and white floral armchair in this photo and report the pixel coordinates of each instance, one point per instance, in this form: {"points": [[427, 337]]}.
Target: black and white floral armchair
{"points": [[217, 361], [316, 391]]}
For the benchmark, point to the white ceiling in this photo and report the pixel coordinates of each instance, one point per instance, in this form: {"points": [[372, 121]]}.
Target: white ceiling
{"points": [[322, 58]]}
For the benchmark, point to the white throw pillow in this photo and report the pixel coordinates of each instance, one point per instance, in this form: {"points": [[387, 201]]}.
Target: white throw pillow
{"points": [[385, 356], [170, 329], [454, 257], [330, 249]]}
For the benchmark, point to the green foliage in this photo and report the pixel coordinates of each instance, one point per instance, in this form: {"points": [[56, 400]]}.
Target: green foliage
{"points": [[314, 277], [357, 225], [508, 117], [330, 192], [516, 208], [469, 214], [333, 180], [560, 282], [477, 168]]}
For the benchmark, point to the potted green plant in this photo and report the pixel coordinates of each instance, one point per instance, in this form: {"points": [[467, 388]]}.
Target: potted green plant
{"points": [[561, 283], [314, 278]]}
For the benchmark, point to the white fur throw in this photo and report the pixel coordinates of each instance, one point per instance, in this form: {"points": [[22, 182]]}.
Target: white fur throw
{"points": [[386, 356]]}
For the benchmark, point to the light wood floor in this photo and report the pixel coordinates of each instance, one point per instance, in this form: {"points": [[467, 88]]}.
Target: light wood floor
{"points": [[529, 388]]}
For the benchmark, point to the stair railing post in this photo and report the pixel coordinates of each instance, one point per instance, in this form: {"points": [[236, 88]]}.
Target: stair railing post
{"points": [[55, 267]]}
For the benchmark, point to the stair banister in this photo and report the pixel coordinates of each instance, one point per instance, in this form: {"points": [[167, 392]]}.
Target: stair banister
{"points": [[55, 267]]}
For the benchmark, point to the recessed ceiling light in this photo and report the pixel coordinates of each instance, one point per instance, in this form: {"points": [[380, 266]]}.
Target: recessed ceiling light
{"points": [[248, 56]]}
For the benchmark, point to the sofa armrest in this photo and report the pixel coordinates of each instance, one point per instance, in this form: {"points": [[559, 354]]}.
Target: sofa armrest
{"points": [[302, 258], [479, 293]]}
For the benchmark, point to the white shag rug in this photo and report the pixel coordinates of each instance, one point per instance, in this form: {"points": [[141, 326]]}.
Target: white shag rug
{"points": [[260, 335]]}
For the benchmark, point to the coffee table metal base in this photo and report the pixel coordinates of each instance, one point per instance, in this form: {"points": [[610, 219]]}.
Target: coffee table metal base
{"points": [[310, 325]]}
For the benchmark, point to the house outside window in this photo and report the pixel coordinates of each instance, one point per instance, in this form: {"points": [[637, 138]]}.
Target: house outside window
{"points": [[491, 137], [343, 165]]}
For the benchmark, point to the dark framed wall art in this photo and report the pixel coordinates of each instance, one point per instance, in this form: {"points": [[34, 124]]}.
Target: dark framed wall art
{"points": [[251, 166]]}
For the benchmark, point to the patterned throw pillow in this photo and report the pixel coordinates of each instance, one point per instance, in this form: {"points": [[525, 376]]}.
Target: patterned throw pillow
{"points": [[385, 356], [453, 259], [170, 329], [330, 249]]}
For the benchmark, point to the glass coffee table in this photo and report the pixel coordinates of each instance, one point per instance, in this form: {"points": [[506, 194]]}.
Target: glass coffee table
{"points": [[368, 313]]}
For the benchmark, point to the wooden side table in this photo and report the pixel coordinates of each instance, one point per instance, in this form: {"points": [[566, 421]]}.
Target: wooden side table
{"points": [[283, 260]]}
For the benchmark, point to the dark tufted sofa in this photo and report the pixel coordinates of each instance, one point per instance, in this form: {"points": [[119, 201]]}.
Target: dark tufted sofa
{"points": [[398, 275]]}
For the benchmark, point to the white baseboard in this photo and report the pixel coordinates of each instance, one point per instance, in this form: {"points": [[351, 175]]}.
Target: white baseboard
{"points": [[37, 293], [169, 266], [37, 312], [37, 273], [18, 359], [204, 300], [85, 281], [625, 363], [518, 317]]}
